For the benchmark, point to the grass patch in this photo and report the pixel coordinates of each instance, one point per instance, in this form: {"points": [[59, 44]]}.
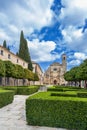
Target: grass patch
{"points": [[57, 111]]}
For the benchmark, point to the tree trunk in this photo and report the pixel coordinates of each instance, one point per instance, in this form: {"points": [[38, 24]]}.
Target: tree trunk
{"points": [[80, 84], [85, 84]]}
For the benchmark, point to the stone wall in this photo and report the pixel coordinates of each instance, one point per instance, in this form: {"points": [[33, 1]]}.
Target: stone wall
{"points": [[8, 81]]}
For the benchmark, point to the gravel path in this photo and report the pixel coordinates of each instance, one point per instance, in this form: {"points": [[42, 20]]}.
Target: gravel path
{"points": [[12, 116]]}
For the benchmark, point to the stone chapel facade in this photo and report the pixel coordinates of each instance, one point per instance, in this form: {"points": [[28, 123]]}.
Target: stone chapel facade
{"points": [[55, 73]]}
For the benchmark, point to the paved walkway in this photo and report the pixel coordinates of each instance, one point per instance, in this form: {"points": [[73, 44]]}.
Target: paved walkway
{"points": [[12, 116]]}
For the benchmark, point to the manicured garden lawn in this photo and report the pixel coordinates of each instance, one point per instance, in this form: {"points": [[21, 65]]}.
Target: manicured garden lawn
{"points": [[66, 108], [7, 93]]}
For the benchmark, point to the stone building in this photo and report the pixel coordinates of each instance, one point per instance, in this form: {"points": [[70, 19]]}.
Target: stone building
{"points": [[37, 69], [5, 54], [55, 73]]}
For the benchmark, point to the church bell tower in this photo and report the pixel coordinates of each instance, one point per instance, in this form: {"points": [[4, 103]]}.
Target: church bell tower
{"points": [[64, 62]]}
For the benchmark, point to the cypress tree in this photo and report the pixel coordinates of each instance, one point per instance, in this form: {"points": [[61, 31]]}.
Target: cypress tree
{"points": [[24, 52], [4, 44]]}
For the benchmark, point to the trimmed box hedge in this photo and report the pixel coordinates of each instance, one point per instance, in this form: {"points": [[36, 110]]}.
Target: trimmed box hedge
{"points": [[55, 89], [27, 90], [6, 97], [82, 94], [62, 89], [22, 90], [62, 112], [64, 94], [10, 88]]}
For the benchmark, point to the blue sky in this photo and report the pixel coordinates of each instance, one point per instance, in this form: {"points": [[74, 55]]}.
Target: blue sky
{"points": [[51, 27]]}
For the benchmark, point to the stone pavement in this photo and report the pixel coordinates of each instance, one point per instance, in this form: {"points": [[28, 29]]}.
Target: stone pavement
{"points": [[12, 116]]}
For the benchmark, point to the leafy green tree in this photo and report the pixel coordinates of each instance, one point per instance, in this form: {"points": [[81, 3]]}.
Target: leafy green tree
{"points": [[2, 69], [78, 74], [68, 76], [83, 72], [19, 72], [9, 69], [28, 75], [4, 44], [24, 52], [71, 75], [36, 78], [31, 75]]}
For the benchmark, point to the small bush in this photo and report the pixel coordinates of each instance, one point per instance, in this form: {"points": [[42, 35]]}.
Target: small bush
{"points": [[6, 97]]}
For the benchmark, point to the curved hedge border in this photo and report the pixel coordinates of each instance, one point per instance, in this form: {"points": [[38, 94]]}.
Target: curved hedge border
{"points": [[62, 112], [23, 90], [6, 97]]}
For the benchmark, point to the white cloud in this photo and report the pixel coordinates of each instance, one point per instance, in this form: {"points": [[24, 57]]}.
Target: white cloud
{"points": [[80, 56], [41, 51], [74, 62], [76, 59], [74, 12], [24, 15], [72, 17], [75, 38], [4, 36], [71, 34]]}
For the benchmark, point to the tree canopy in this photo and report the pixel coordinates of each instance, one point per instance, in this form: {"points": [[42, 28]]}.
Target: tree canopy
{"points": [[24, 51], [77, 73], [8, 69], [4, 44]]}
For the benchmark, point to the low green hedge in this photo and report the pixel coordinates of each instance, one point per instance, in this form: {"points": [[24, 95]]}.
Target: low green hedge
{"points": [[63, 89], [6, 97], [22, 90], [10, 88], [82, 94], [63, 112], [54, 89], [64, 94], [27, 90]]}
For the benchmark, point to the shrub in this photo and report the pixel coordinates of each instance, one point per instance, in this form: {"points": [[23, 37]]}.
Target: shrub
{"points": [[27, 90], [64, 94], [6, 97], [82, 94], [63, 89], [22, 90], [55, 89], [10, 88], [45, 110]]}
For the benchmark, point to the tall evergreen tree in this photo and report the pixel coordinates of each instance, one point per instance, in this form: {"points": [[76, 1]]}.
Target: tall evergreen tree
{"points": [[4, 44], [24, 52]]}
